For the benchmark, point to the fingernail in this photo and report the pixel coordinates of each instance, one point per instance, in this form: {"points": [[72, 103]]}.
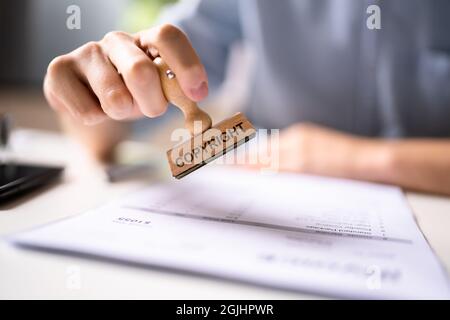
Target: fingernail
{"points": [[200, 92]]}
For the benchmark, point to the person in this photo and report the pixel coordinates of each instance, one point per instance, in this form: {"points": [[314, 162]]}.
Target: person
{"points": [[354, 102]]}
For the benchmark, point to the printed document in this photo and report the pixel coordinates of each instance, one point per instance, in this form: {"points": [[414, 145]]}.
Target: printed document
{"points": [[332, 237]]}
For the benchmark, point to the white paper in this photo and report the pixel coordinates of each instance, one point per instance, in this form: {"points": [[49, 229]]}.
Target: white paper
{"points": [[328, 236]]}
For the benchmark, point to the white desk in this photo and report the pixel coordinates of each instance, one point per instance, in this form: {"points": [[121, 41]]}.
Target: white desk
{"points": [[29, 274]]}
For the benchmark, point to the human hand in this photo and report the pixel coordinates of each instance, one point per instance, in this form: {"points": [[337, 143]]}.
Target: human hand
{"points": [[313, 149], [116, 77], [309, 148]]}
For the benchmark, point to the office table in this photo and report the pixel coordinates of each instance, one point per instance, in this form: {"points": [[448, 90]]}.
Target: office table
{"points": [[28, 274]]}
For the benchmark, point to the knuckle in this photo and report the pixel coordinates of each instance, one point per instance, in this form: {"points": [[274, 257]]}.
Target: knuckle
{"points": [[114, 35], [90, 48], [168, 32], [116, 102], [58, 65], [115, 96], [140, 70]]}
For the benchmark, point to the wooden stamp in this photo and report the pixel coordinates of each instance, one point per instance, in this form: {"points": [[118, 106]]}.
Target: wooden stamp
{"points": [[206, 143]]}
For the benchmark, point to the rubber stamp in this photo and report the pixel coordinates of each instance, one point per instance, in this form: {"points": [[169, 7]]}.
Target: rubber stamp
{"points": [[207, 142]]}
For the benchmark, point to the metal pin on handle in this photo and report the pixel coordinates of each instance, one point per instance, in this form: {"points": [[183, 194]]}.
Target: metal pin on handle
{"points": [[170, 75]]}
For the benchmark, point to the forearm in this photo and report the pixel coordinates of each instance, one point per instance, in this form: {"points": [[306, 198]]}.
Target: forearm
{"points": [[99, 140], [417, 164]]}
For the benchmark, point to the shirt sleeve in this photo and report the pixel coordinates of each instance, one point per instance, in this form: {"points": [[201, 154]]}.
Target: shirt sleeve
{"points": [[212, 26]]}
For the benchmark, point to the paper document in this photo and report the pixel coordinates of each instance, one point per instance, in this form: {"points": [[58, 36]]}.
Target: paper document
{"points": [[332, 237]]}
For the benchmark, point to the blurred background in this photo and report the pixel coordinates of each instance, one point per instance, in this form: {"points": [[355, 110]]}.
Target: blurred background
{"points": [[33, 32]]}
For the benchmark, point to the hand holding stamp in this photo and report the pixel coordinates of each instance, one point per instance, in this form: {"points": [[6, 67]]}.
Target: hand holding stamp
{"points": [[211, 142]]}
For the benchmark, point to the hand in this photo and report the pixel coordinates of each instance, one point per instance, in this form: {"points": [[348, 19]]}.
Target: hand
{"points": [[309, 148], [415, 164], [116, 78], [312, 149]]}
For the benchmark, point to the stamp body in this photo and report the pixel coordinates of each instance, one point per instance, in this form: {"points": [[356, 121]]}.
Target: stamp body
{"points": [[213, 142], [201, 149]]}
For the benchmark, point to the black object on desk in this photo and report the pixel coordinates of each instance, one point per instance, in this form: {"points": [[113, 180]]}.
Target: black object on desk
{"points": [[18, 179]]}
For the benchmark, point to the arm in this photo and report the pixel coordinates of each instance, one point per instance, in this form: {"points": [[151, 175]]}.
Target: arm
{"points": [[417, 164]]}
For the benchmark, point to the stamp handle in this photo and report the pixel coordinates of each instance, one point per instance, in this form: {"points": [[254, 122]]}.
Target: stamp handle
{"points": [[175, 95]]}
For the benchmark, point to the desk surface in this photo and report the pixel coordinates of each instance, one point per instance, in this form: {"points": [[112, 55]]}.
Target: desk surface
{"points": [[29, 274]]}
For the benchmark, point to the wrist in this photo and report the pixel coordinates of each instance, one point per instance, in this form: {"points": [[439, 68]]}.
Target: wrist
{"points": [[374, 160]]}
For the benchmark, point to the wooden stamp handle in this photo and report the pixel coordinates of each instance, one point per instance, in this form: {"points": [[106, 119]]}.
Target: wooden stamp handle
{"points": [[175, 95]]}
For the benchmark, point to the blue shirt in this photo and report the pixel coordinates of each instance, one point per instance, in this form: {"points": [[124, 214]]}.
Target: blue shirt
{"points": [[317, 61]]}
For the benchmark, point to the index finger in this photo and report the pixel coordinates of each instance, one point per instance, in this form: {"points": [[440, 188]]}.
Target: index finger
{"points": [[175, 49]]}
